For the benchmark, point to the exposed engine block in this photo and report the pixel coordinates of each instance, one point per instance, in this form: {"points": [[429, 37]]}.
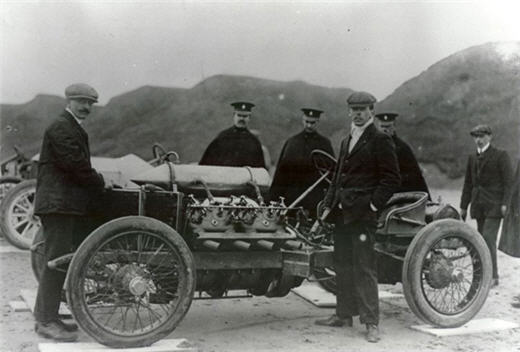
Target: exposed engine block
{"points": [[237, 215]]}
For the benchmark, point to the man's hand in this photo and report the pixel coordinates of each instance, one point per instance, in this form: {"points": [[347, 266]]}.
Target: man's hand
{"points": [[463, 214], [503, 210]]}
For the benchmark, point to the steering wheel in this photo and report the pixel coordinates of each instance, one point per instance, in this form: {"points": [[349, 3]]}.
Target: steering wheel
{"points": [[158, 151], [324, 162]]}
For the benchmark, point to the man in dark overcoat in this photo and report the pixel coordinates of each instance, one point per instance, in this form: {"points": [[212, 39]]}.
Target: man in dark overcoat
{"points": [[365, 177], [486, 187], [236, 146], [66, 182], [295, 171], [411, 176]]}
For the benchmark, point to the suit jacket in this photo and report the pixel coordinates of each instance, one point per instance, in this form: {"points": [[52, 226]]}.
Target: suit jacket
{"points": [[368, 174], [487, 183], [295, 171], [66, 181], [411, 175], [234, 147]]}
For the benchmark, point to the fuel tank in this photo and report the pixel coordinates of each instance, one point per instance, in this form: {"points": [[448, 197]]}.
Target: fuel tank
{"points": [[221, 180]]}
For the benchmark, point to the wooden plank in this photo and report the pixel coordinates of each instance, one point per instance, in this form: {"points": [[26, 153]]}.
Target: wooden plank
{"points": [[29, 296], [19, 306], [320, 297], [475, 326], [171, 345]]}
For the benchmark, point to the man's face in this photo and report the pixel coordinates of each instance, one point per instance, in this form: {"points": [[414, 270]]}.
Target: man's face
{"points": [[80, 107], [482, 140], [360, 114], [309, 123], [387, 127], [241, 119]]}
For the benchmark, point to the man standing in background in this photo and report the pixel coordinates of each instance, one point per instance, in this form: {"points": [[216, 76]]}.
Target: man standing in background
{"points": [[411, 175], [236, 146], [486, 186], [295, 171]]}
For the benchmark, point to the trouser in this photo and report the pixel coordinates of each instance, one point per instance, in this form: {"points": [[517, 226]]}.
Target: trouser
{"points": [[355, 263], [488, 228], [62, 233]]}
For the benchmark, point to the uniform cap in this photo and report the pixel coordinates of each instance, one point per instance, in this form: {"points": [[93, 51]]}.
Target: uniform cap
{"points": [[243, 106], [361, 99], [81, 91], [312, 112], [480, 130], [387, 116]]}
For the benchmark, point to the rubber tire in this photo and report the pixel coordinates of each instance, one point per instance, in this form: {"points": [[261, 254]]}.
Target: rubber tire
{"points": [[89, 247], [37, 257], [9, 180], [9, 198], [330, 284], [411, 274]]}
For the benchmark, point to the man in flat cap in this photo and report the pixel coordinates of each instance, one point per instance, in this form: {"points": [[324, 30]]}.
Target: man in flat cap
{"points": [[365, 177], [411, 175], [235, 146], [486, 187], [295, 171], [65, 184]]}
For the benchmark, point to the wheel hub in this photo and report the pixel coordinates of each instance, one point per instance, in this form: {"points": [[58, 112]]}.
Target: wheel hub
{"points": [[133, 279], [441, 272]]}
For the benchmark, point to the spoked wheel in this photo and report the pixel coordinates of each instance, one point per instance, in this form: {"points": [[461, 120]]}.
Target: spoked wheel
{"points": [[7, 183], [17, 219], [131, 282], [447, 273]]}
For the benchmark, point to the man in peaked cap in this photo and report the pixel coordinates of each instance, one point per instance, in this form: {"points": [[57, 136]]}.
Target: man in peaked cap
{"points": [[65, 184], [411, 175], [295, 171], [235, 146], [487, 188], [365, 177]]}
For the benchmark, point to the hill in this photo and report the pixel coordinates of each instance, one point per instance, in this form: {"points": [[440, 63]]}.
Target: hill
{"points": [[437, 108]]}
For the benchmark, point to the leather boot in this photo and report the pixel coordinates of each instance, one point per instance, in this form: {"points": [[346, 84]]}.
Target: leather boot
{"points": [[335, 321], [54, 331], [70, 327], [372, 333]]}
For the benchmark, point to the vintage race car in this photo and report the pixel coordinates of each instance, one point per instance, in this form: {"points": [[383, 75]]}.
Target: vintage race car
{"points": [[207, 229]]}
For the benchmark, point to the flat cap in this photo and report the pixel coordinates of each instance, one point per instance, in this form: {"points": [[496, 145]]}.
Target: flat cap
{"points": [[81, 91], [243, 106], [361, 99], [312, 112], [480, 130], [386, 116]]}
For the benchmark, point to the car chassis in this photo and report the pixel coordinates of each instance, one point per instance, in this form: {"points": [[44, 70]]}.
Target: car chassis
{"points": [[191, 228]]}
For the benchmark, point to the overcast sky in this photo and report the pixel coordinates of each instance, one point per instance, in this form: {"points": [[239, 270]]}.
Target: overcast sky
{"points": [[119, 46]]}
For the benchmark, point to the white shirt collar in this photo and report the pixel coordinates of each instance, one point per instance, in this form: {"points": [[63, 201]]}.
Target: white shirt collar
{"points": [[75, 118], [360, 129], [480, 151]]}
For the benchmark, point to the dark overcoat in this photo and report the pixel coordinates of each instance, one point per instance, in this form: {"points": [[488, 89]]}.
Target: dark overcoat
{"points": [[295, 171], [368, 174], [510, 238], [66, 181], [411, 175], [234, 147], [487, 183]]}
